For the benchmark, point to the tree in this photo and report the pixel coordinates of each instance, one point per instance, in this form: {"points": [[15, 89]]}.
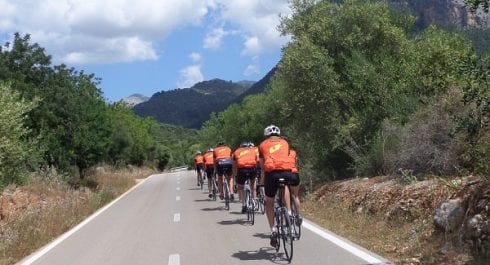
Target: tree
{"points": [[475, 4], [16, 152]]}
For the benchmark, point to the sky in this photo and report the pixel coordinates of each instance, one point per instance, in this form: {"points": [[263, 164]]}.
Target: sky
{"points": [[147, 46]]}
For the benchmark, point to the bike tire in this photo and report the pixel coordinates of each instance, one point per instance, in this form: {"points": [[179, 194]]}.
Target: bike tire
{"points": [[286, 235], [213, 182], [227, 195]]}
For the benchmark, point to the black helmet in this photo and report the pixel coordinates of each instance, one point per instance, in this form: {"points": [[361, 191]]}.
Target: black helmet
{"points": [[221, 142]]}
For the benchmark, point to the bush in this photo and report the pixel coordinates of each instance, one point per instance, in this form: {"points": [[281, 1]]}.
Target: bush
{"points": [[427, 143]]}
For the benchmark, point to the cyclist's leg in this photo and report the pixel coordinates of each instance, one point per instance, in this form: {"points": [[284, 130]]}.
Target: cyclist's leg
{"points": [[240, 181], [294, 189], [270, 186]]}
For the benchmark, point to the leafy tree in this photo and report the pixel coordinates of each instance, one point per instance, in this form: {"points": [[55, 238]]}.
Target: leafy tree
{"points": [[16, 152], [474, 4]]}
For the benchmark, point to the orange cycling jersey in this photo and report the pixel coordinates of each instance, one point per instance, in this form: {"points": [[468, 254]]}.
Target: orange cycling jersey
{"points": [[293, 156], [275, 152], [222, 152], [208, 159], [198, 159], [245, 157]]}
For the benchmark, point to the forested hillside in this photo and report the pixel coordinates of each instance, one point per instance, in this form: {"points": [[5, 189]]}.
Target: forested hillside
{"points": [[53, 116], [191, 107]]}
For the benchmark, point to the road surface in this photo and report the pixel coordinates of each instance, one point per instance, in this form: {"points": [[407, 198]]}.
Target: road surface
{"points": [[166, 219]]}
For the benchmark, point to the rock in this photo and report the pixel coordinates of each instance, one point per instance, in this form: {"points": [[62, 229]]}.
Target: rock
{"points": [[449, 215]]}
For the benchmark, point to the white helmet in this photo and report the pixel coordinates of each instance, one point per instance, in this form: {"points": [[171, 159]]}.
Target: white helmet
{"points": [[210, 149], [271, 130]]}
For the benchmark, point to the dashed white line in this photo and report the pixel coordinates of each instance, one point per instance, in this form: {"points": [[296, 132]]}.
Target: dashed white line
{"points": [[174, 259], [178, 182], [177, 217], [178, 188], [177, 198]]}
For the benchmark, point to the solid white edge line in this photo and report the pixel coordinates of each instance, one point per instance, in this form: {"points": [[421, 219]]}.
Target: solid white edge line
{"points": [[70, 232], [341, 243], [174, 259]]}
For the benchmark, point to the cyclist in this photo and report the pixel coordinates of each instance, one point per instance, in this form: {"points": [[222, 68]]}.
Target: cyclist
{"points": [[275, 163], [223, 166], [244, 167], [209, 167], [199, 165]]}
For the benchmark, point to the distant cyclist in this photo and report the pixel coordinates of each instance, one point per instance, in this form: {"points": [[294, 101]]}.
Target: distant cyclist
{"points": [[245, 167], [199, 165], [276, 163], [209, 167], [223, 167]]}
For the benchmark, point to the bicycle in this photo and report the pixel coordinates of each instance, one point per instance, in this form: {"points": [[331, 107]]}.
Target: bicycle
{"points": [[226, 191], [260, 198], [249, 202], [283, 222], [200, 179], [214, 187]]}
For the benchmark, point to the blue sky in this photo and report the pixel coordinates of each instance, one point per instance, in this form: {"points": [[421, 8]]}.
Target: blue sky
{"points": [[147, 46]]}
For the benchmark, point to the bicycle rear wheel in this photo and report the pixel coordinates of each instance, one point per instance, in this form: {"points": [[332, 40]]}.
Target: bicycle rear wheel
{"points": [[201, 181], [250, 207], [227, 194], [260, 200], [286, 235]]}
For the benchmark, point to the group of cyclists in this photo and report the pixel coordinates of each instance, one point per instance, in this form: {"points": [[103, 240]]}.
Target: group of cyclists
{"points": [[272, 160]]}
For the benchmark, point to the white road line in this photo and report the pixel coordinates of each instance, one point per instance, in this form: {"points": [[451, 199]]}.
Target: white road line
{"points": [[178, 182], [177, 217], [342, 243], [174, 259], [60, 239], [178, 188], [177, 198]]}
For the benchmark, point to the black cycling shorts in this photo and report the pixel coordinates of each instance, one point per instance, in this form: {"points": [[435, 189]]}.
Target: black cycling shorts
{"points": [[210, 172], [294, 181], [199, 166], [245, 173], [224, 167], [271, 183]]}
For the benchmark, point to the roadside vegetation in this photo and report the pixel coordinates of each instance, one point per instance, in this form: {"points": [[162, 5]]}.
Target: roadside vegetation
{"points": [[359, 94]]}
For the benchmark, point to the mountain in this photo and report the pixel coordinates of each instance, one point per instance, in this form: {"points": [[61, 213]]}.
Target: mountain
{"points": [[443, 13], [135, 99], [190, 107], [257, 87]]}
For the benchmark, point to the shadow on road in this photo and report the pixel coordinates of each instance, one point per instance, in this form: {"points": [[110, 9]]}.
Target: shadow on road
{"points": [[265, 253], [262, 235], [212, 209], [203, 200], [233, 222]]}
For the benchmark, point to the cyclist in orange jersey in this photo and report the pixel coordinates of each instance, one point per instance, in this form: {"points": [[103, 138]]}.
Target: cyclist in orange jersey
{"points": [[244, 167], [199, 165], [275, 163], [209, 167], [223, 166]]}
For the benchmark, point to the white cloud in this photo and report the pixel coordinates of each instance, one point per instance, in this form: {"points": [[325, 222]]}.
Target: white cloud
{"points": [[253, 68], [95, 31], [258, 21], [214, 38], [109, 31], [192, 73], [195, 57]]}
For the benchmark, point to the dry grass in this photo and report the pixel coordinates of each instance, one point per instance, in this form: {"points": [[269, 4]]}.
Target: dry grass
{"points": [[48, 208]]}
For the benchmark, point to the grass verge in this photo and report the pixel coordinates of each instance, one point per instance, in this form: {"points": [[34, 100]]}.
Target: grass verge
{"points": [[46, 208]]}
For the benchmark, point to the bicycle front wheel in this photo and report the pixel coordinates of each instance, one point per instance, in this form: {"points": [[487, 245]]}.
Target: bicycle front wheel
{"points": [[295, 221]]}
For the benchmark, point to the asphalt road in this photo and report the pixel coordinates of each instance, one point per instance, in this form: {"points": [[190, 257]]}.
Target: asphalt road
{"points": [[166, 219]]}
